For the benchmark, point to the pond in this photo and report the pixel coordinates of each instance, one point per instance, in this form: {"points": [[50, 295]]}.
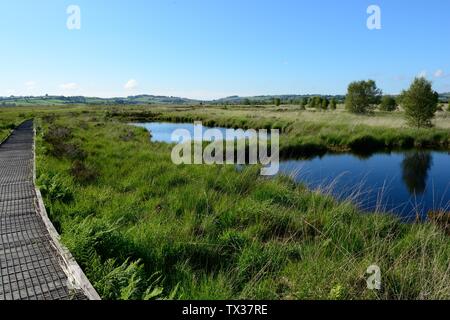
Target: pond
{"points": [[408, 184], [162, 131]]}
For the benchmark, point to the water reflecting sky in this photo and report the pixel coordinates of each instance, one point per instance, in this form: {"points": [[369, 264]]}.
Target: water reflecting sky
{"points": [[405, 183]]}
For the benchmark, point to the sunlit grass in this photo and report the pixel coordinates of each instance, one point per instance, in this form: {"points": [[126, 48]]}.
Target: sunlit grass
{"points": [[141, 227], [209, 232]]}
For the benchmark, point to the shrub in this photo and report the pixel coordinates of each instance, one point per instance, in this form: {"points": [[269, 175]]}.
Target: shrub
{"points": [[82, 173], [58, 138], [333, 104], [303, 104], [57, 134], [127, 282], [54, 188], [420, 103], [362, 96], [325, 104], [388, 103]]}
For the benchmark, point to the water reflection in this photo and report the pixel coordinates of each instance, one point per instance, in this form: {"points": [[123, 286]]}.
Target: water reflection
{"points": [[404, 183], [398, 182], [415, 168]]}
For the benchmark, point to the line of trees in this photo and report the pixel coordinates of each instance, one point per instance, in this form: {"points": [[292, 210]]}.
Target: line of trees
{"points": [[320, 103], [328, 102], [419, 101]]}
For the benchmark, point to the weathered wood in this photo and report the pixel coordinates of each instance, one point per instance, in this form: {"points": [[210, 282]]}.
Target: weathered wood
{"points": [[33, 264]]}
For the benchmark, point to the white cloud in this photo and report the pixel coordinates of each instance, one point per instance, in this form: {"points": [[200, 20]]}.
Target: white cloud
{"points": [[131, 84], [422, 74], [439, 73], [69, 86]]}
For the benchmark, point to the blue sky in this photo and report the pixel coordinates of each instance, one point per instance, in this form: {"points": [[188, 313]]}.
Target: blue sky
{"points": [[214, 48]]}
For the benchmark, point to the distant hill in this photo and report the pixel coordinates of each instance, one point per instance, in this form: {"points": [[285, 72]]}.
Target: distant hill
{"points": [[152, 99], [62, 100], [285, 98]]}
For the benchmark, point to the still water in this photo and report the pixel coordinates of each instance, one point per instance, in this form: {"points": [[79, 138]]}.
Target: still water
{"points": [[408, 184], [162, 131]]}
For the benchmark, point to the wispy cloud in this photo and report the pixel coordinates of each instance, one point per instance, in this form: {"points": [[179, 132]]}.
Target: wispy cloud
{"points": [[69, 86], [439, 73], [131, 84]]}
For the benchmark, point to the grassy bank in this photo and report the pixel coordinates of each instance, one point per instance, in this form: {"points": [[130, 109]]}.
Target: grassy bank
{"points": [[309, 132], [9, 119], [142, 227]]}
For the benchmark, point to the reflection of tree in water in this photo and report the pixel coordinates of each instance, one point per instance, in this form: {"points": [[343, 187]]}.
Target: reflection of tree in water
{"points": [[415, 170]]}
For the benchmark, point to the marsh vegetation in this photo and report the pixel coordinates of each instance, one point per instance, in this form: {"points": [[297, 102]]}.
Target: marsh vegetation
{"points": [[143, 228]]}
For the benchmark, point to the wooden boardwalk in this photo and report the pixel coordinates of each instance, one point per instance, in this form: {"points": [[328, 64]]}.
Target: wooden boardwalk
{"points": [[31, 266]]}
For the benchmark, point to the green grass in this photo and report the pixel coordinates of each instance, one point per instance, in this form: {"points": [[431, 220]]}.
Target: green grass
{"points": [[143, 228], [309, 132], [9, 119]]}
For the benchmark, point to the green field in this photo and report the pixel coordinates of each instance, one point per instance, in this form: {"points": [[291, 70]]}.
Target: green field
{"points": [[143, 228], [308, 132]]}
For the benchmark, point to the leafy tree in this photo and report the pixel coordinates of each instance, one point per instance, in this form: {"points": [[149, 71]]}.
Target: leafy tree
{"points": [[420, 103], [277, 101], [325, 104], [316, 103], [312, 102], [303, 104], [362, 96], [388, 103], [319, 102], [333, 104]]}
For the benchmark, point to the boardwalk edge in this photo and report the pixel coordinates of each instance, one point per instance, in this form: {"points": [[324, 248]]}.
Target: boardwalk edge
{"points": [[75, 274]]}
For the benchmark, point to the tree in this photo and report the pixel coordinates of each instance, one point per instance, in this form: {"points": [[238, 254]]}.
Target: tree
{"points": [[420, 103], [362, 96], [303, 104], [388, 103], [277, 101], [316, 103], [333, 104], [325, 104], [312, 102]]}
